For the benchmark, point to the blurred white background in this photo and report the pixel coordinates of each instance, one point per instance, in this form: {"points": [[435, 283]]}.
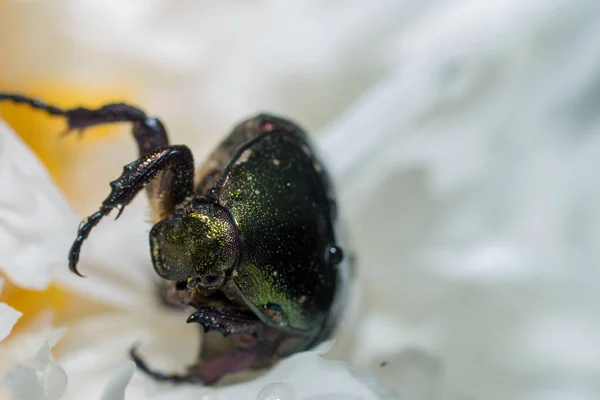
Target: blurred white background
{"points": [[463, 136]]}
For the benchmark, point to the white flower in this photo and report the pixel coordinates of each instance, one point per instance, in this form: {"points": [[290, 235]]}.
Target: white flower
{"points": [[464, 138]]}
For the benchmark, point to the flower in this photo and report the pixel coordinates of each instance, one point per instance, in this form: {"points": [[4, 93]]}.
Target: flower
{"points": [[462, 137], [99, 344]]}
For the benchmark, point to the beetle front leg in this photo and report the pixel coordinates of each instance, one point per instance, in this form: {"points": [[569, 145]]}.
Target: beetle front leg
{"points": [[148, 132], [176, 160], [227, 321], [245, 330]]}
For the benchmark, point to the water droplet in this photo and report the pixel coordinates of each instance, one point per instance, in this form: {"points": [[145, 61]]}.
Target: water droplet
{"points": [[274, 312], [336, 255], [274, 307], [276, 391]]}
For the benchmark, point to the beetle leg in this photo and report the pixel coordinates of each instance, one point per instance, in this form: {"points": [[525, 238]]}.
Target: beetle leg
{"points": [[227, 321], [149, 132], [244, 328], [206, 372], [159, 376], [177, 160]]}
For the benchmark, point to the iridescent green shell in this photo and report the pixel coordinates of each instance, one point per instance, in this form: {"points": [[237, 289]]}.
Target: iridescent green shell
{"points": [[283, 204]]}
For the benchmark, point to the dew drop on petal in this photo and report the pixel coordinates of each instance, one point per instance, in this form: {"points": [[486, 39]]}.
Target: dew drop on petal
{"points": [[276, 391]]}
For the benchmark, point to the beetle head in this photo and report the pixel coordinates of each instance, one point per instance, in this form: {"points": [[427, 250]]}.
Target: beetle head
{"points": [[199, 242]]}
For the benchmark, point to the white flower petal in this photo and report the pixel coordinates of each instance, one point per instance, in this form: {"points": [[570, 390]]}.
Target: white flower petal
{"points": [[37, 228], [115, 260], [55, 381], [94, 348], [27, 347], [413, 373], [115, 388], [308, 374], [301, 376], [276, 391], [38, 378], [23, 383], [35, 219], [474, 212], [8, 318]]}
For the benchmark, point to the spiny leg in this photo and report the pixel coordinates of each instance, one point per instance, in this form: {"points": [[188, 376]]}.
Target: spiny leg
{"points": [[176, 159], [208, 372], [157, 169], [227, 321], [148, 132], [244, 329], [159, 376]]}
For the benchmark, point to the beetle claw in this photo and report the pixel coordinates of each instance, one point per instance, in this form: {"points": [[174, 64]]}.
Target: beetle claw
{"points": [[227, 321], [208, 373], [120, 208], [159, 376]]}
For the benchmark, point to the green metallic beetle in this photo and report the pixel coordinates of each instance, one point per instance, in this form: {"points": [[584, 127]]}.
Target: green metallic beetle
{"points": [[249, 241]]}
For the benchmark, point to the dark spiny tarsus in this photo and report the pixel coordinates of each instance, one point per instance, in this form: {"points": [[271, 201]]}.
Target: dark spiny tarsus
{"points": [[159, 376], [150, 136], [35, 103], [134, 178], [82, 233], [149, 132]]}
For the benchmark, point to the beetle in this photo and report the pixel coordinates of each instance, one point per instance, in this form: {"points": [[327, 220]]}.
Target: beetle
{"points": [[249, 241]]}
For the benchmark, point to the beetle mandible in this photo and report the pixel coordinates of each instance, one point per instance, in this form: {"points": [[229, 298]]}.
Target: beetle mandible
{"points": [[249, 241]]}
